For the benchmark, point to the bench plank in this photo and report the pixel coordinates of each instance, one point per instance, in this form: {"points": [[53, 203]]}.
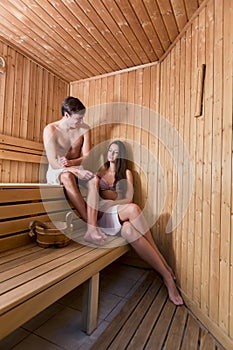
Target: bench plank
{"points": [[38, 265], [207, 342], [18, 193], [143, 332], [13, 211], [177, 328], [19, 225], [191, 335], [138, 316]]}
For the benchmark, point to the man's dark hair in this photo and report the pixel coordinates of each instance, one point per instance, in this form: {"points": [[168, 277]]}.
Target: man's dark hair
{"points": [[72, 105]]}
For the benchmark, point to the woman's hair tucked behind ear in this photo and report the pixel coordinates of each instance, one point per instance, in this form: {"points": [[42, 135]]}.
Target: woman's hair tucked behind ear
{"points": [[121, 161]]}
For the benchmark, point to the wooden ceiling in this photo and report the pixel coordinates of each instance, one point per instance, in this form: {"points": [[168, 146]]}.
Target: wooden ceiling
{"points": [[77, 39]]}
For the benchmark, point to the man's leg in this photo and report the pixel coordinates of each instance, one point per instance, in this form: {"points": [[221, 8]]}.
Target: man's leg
{"points": [[73, 193]]}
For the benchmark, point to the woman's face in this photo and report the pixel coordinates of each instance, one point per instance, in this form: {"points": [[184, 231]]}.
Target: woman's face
{"points": [[113, 152]]}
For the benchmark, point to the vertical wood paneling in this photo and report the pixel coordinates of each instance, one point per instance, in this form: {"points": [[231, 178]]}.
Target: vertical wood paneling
{"points": [[146, 85], [216, 162], [226, 168], [181, 98], [176, 72], [187, 104], [30, 97], [200, 248], [137, 133], [153, 141], [199, 172], [207, 162]]}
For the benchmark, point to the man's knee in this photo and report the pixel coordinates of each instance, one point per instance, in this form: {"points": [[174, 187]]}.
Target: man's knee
{"points": [[67, 177]]}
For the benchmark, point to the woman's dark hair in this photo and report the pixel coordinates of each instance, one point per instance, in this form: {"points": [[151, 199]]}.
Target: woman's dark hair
{"points": [[121, 161], [72, 105]]}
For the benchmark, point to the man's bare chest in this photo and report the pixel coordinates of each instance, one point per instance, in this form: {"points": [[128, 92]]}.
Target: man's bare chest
{"points": [[68, 141]]}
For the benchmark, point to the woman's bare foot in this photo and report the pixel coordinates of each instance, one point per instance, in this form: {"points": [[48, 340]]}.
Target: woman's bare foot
{"points": [[95, 236], [173, 292]]}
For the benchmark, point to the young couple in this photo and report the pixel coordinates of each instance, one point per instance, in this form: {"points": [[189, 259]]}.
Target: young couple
{"points": [[109, 208]]}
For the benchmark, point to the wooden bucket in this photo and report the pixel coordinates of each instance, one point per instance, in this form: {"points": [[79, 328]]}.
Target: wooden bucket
{"points": [[52, 233]]}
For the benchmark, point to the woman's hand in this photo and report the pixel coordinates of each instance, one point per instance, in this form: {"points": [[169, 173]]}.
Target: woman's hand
{"points": [[108, 194]]}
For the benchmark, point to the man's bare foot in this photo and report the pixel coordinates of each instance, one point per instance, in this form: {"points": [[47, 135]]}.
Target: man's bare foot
{"points": [[173, 292], [95, 236]]}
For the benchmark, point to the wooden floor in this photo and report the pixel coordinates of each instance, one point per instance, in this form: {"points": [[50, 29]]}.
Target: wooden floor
{"points": [[150, 321]]}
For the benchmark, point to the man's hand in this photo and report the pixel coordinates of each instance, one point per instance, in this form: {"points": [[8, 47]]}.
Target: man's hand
{"points": [[64, 162], [81, 173], [84, 174]]}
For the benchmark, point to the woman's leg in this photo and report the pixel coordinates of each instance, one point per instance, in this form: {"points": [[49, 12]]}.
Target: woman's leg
{"points": [[147, 250], [131, 212], [150, 239], [93, 234]]}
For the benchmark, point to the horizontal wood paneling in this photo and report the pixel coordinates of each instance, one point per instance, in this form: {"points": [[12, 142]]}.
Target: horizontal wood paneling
{"points": [[200, 248], [30, 97]]}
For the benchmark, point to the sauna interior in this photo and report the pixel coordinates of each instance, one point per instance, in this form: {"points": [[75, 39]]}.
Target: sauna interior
{"points": [[157, 74]]}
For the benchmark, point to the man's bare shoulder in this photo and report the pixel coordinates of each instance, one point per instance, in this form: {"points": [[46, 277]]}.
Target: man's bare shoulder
{"points": [[85, 127], [51, 126], [82, 130]]}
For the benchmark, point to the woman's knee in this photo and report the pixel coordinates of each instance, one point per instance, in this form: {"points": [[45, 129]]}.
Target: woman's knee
{"points": [[134, 210], [129, 233]]}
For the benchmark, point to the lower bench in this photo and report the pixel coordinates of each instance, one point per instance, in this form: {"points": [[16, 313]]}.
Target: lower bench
{"points": [[31, 277]]}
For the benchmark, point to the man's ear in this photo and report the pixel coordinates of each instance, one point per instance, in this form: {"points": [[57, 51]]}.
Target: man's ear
{"points": [[66, 115]]}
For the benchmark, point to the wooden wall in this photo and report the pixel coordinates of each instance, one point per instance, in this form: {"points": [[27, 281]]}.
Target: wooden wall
{"points": [[30, 97], [201, 247]]}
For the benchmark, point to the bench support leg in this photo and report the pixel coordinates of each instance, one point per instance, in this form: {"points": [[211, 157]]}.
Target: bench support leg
{"points": [[90, 304]]}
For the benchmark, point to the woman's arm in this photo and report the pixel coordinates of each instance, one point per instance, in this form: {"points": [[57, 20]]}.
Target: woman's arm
{"points": [[128, 198]]}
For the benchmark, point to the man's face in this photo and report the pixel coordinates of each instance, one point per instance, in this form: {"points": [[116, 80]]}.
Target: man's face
{"points": [[75, 120]]}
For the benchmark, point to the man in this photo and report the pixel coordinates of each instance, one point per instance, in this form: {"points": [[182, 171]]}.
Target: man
{"points": [[67, 143]]}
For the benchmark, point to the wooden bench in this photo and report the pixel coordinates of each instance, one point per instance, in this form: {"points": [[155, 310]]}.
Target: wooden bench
{"points": [[31, 277]]}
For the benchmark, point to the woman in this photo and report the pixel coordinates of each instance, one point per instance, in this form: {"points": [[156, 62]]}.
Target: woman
{"points": [[117, 212]]}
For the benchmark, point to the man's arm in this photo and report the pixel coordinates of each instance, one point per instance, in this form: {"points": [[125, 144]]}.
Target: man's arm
{"points": [[72, 159], [50, 146]]}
